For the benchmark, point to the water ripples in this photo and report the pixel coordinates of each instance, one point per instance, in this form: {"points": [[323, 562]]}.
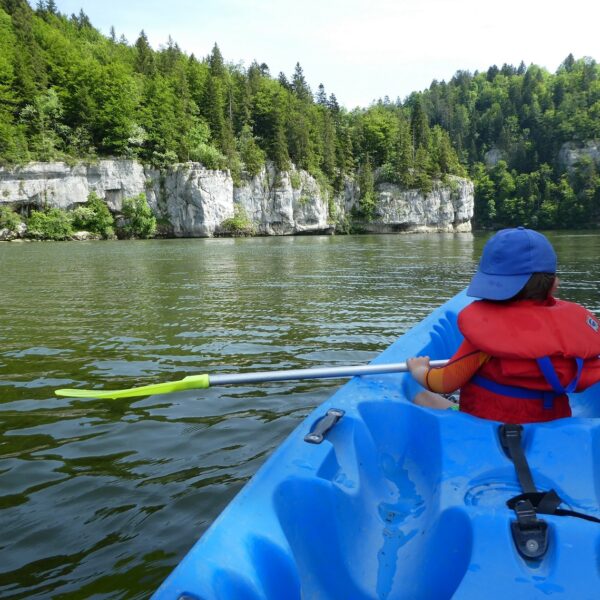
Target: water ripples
{"points": [[101, 498]]}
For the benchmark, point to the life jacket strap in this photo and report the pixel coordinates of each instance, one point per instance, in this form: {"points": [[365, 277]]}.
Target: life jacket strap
{"points": [[513, 391], [549, 373]]}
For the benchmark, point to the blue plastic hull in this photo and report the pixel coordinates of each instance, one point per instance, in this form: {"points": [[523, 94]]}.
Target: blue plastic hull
{"points": [[401, 502]]}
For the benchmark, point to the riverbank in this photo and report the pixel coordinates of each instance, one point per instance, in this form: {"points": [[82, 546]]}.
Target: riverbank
{"points": [[188, 200]]}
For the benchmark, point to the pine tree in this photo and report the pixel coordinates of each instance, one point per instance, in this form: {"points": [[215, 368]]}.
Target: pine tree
{"points": [[419, 125], [329, 143], [283, 81], [299, 86], [366, 182], [29, 65], [404, 163], [216, 63], [213, 109], [321, 96], [250, 152], [332, 103], [11, 143], [422, 179], [279, 148], [144, 60]]}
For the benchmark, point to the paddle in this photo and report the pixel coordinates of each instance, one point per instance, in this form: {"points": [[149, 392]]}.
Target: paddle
{"points": [[205, 381]]}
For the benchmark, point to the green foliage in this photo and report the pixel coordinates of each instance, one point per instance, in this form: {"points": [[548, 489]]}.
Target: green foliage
{"points": [[78, 94], [506, 197], [238, 225], [251, 153], [42, 120], [94, 217], [295, 180], [423, 168], [419, 124], [11, 138], [68, 92], [366, 182], [201, 150], [53, 224], [139, 220], [485, 196], [9, 219], [526, 115]]}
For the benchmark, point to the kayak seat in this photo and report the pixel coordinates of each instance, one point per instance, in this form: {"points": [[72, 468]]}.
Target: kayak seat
{"points": [[354, 533]]}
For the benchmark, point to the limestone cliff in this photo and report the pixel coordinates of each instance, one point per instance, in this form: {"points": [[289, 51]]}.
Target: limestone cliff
{"points": [[571, 152], [192, 201], [446, 208]]}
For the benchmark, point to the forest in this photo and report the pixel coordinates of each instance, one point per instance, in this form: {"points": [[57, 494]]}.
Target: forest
{"points": [[68, 92]]}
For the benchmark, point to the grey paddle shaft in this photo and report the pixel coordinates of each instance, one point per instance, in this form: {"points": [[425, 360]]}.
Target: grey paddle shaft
{"points": [[318, 373]]}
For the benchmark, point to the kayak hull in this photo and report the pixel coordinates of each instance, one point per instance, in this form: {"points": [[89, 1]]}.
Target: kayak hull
{"points": [[401, 502]]}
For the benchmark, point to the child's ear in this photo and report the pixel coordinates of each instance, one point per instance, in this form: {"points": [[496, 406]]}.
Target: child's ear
{"points": [[555, 284]]}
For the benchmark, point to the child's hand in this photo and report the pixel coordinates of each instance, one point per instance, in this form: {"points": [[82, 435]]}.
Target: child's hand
{"points": [[418, 368]]}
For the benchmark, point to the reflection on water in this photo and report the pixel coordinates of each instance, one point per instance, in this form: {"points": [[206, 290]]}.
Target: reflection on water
{"points": [[102, 498]]}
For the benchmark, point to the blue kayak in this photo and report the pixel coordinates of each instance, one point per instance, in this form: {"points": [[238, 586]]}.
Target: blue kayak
{"points": [[402, 502]]}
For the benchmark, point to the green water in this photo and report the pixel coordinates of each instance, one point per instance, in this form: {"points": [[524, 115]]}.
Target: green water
{"points": [[101, 499]]}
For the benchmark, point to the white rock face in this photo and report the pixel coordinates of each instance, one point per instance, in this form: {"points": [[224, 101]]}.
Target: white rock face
{"points": [[196, 201], [59, 185], [6, 235], [493, 157], [447, 208], [283, 204], [571, 152]]}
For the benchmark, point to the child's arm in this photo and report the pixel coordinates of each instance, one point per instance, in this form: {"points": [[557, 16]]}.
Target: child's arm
{"points": [[419, 367], [460, 368]]}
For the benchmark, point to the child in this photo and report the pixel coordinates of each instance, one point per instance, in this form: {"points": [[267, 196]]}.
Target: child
{"points": [[523, 350]]}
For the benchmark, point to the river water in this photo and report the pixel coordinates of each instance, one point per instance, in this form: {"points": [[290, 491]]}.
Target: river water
{"points": [[101, 499]]}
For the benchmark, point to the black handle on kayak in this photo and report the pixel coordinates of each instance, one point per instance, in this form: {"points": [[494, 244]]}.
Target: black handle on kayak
{"points": [[323, 425]]}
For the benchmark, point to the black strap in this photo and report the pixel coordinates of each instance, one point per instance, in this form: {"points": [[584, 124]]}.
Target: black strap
{"points": [[574, 513], [530, 534], [510, 438]]}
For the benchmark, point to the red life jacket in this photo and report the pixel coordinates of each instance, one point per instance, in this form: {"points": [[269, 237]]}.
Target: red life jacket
{"points": [[538, 351]]}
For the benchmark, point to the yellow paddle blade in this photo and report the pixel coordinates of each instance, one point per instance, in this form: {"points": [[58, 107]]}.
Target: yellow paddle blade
{"points": [[187, 383]]}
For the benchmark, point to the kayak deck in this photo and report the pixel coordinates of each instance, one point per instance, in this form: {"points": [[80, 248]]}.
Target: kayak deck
{"points": [[402, 502]]}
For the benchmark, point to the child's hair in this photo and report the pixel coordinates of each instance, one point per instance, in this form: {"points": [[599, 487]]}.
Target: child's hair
{"points": [[537, 287]]}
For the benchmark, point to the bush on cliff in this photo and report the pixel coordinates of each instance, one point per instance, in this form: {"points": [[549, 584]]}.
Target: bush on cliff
{"points": [[9, 219], [53, 224], [238, 225], [251, 153], [200, 148], [138, 218], [94, 217]]}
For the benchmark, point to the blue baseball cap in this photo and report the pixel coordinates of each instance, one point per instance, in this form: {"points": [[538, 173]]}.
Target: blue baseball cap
{"points": [[509, 259]]}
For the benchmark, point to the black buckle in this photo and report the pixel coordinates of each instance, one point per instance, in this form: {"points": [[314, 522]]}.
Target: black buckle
{"points": [[530, 534], [544, 503]]}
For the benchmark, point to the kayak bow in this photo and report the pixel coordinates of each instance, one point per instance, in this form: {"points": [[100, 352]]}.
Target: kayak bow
{"points": [[375, 498]]}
